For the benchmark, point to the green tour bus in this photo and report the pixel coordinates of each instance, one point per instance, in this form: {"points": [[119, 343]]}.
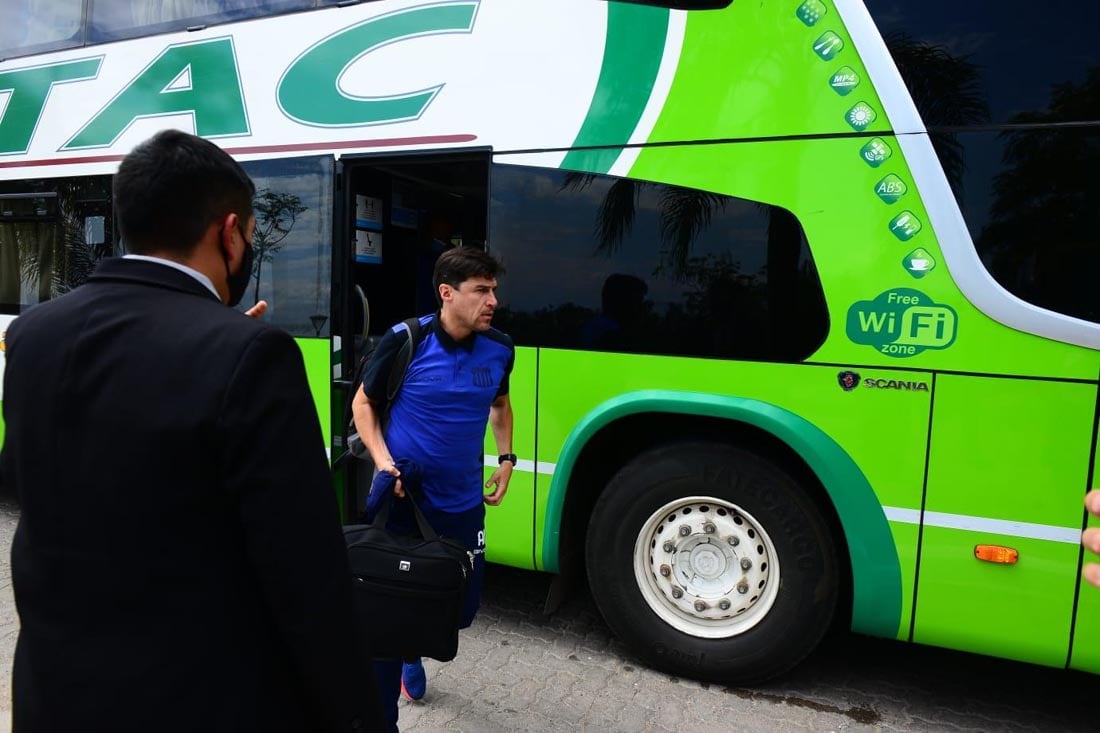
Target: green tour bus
{"points": [[803, 291]]}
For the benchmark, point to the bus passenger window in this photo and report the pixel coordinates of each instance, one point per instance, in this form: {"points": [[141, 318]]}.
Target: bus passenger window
{"points": [[52, 236], [613, 264], [119, 19], [37, 26]]}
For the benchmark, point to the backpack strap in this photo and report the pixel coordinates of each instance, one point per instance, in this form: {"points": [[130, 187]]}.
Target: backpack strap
{"points": [[404, 358], [405, 355]]}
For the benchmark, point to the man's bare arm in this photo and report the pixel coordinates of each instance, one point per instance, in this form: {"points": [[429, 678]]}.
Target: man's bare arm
{"points": [[500, 421], [368, 424]]}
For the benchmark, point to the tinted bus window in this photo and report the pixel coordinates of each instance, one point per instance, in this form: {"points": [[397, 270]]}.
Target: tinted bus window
{"points": [[1015, 53], [114, 19], [37, 26], [602, 263], [52, 235], [1029, 198], [293, 243]]}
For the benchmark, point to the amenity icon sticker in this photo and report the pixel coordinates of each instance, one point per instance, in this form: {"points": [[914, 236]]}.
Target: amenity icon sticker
{"points": [[891, 188], [875, 152], [902, 322], [811, 11], [844, 80], [905, 226], [919, 262], [828, 45], [860, 116]]}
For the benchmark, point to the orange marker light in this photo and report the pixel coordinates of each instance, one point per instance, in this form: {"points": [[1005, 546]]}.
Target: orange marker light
{"points": [[997, 554]]}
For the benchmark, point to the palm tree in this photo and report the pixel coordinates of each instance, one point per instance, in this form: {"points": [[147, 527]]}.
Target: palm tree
{"points": [[52, 252], [946, 90], [1040, 241], [684, 214]]}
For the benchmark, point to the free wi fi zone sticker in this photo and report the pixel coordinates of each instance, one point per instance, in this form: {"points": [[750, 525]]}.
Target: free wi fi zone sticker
{"points": [[902, 322]]}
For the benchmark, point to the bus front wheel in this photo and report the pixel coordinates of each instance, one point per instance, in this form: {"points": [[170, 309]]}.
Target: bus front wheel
{"points": [[712, 562]]}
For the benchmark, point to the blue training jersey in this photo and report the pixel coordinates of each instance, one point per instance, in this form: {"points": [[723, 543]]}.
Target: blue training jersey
{"points": [[438, 418]]}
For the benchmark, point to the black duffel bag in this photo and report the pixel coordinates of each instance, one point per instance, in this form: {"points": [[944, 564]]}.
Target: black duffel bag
{"points": [[409, 590]]}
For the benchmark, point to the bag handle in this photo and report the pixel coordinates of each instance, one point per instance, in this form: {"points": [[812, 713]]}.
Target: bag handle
{"points": [[383, 516]]}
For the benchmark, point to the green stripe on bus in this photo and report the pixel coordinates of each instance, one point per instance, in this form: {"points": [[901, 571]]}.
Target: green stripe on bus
{"points": [[317, 355], [876, 570], [632, 56]]}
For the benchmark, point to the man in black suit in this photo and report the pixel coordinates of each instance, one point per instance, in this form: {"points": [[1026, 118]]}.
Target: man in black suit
{"points": [[179, 563]]}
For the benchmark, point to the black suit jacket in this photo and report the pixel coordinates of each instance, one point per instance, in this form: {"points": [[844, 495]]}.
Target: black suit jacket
{"points": [[179, 563]]}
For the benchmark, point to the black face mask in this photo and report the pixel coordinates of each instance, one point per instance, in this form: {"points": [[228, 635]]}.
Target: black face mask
{"points": [[238, 281]]}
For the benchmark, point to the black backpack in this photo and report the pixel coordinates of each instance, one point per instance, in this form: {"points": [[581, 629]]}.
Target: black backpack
{"points": [[354, 444]]}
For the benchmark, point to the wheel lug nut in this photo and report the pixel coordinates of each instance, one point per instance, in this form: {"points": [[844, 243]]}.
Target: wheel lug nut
{"points": [[742, 588], [668, 547], [709, 528], [666, 570], [733, 540], [746, 563], [684, 530], [724, 604], [700, 606], [677, 593]]}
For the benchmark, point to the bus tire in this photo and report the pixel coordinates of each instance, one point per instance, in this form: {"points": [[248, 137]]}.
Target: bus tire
{"points": [[712, 562]]}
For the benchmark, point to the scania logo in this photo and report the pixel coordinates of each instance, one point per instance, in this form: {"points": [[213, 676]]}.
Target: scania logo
{"points": [[895, 384], [848, 380]]}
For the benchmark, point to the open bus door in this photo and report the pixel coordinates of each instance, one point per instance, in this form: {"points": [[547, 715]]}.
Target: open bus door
{"points": [[394, 216]]}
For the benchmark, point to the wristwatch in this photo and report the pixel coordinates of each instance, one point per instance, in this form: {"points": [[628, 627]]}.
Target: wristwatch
{"points": [[508, 457]]}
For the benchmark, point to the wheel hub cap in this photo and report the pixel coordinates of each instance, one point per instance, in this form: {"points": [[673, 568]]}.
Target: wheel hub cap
{"points": [[724, 570]]}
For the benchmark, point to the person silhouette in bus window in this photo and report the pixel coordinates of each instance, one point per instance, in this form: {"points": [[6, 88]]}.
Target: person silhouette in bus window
{"points": [[617, 326]]}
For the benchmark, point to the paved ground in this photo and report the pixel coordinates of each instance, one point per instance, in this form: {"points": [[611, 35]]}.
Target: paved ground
{"points": [[519, 670]]}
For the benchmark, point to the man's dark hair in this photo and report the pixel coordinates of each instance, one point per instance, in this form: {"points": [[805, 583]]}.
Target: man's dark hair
{"points": [[171, 187], [456, 266]]}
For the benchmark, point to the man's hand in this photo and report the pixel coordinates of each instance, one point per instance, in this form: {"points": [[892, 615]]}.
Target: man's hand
{"points": [[257, 310], [391, 469], [1091, 538], [499, 480]]}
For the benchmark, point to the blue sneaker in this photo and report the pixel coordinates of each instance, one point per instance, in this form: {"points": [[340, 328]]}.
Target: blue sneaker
{"points": [[414, 683]]}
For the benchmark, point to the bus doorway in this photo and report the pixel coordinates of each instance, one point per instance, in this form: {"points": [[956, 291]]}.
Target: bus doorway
{"points": [[399, 214]]}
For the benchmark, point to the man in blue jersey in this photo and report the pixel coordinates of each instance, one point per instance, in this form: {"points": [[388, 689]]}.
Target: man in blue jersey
{"points": [[456, 382]]}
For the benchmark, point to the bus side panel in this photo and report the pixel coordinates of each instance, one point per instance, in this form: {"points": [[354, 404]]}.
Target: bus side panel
{"points": [[1008, 464], [831, 189], [1085, 654], [318, 358], [882, 430], [509, 528], [1018, 611], [757, 70]]}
